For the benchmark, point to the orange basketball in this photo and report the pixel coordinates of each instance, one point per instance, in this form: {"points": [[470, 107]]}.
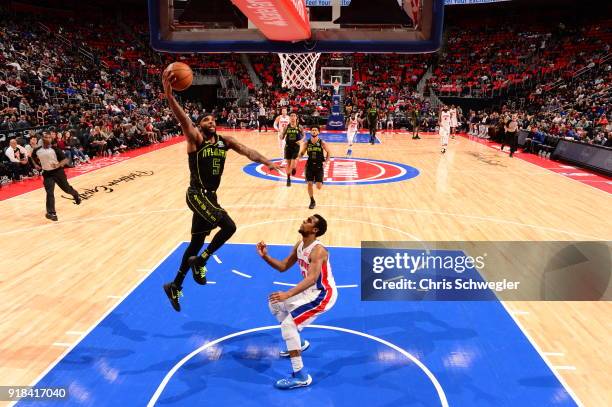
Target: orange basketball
{"points": [[183, 74]]}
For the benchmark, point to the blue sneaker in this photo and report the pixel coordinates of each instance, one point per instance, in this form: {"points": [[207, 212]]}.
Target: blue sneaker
{"points": [[349, 152], [285, 353], [297, 379]]}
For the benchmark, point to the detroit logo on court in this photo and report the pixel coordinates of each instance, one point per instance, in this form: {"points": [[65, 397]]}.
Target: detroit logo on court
{"points": [[344, 171]]}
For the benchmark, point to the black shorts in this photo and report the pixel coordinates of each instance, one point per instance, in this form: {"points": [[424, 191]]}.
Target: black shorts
{"points": [[292, 152], [206, 211], [314, 174]]}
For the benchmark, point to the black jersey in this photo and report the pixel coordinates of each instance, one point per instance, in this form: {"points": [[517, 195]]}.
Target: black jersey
{"points": [[292, 136], [315, 153], [372, 114], [206, 164]]}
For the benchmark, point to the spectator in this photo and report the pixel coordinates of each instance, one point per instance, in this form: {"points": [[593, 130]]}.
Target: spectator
{"points": [[18, 160]]}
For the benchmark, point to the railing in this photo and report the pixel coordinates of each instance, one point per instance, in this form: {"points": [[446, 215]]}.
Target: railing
{"points": [[21, 132], [63, 39], [434, 100], [227, 93], [44, 27], [40, 117], [87, 54], [423, 82]]}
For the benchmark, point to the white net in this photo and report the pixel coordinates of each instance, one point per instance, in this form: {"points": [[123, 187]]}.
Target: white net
{"points": [[299, 70]]}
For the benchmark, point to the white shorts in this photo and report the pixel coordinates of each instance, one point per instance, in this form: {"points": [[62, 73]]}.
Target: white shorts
{"points": [[350, 136], [306, 306], [444, 133]]}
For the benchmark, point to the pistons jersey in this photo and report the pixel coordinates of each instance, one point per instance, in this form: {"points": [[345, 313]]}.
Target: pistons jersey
{"points": [[445, 119], [325, 282], [283, 122]]}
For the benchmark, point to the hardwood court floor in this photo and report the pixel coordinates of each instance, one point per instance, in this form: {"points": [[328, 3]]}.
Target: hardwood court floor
{"points": [[58, 279]]}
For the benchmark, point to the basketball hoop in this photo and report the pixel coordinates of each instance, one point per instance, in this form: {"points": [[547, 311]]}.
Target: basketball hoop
{"points": [[299, 70]]}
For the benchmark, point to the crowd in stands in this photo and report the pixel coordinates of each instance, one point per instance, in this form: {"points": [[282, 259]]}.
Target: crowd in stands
{"points": [[47, 86], [485, 60], [579, 110]]}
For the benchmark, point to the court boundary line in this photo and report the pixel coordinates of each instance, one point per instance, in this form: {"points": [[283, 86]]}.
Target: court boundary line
{"points": [[537, 348], [185, 359], [95, 325]]}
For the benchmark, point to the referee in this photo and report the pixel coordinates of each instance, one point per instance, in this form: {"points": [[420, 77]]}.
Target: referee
{"points": [[53, 161]]}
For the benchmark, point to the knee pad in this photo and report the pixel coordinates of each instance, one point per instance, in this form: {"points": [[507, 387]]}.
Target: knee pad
{"points": [[275, 307], [290, 334]]}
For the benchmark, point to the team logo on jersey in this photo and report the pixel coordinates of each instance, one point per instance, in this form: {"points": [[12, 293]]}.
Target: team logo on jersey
{"points": [[343, 171], [220, 144]]}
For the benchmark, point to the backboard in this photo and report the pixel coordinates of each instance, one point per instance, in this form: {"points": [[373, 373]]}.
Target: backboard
{"points": [[372, 26], [331, 74]]}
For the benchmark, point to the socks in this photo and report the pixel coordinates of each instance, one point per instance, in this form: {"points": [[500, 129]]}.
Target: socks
{"points": [[296, 363], [180, 277]]}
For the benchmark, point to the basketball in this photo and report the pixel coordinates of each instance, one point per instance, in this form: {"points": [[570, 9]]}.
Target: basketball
{"points": [[183, 74]]}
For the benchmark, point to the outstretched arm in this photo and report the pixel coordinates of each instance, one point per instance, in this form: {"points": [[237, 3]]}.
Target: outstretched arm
{"points": [[192, 134], [249, 153], [280, 265]]}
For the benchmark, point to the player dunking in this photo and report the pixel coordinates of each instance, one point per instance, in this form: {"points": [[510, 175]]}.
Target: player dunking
{"points": [[207, 152], [353, 127], [445, 125], [314, 166], [280, 124], [314, 295], [292, 135]]}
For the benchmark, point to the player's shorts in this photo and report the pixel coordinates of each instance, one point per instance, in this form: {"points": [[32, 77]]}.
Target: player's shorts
{"points": [[444, 131], [306, 306], [207, 213], [314, 174], [350, 136], [292, 152]]}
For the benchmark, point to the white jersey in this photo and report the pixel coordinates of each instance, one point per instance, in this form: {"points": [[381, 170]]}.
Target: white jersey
{"points": [[353, 125], [283, 122], [453, 117], [325, 282], [445, 120]]}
